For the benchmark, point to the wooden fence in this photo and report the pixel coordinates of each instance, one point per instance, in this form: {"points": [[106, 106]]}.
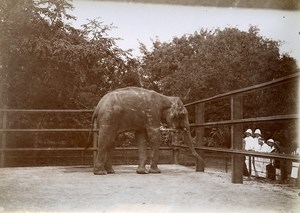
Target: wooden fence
{"points": [[236, 122]]}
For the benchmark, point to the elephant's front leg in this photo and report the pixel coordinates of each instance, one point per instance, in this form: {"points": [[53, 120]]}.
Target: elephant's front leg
{"points": [[142, 143], [155, 140], [108, 164]]}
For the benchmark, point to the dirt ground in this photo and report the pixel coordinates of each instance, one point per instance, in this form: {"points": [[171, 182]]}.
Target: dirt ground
{"points": [[177, 189]]}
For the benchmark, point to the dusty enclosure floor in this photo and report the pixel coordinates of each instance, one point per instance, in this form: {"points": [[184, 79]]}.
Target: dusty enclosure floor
{"points": [[176, 189]]}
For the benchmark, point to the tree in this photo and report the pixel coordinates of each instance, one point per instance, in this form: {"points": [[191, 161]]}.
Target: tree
{"points": [[214, 62], [208, 63], [47, 63]]}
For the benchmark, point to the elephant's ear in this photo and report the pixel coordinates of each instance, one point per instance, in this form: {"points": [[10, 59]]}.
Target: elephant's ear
{"points": [[177, 109]]}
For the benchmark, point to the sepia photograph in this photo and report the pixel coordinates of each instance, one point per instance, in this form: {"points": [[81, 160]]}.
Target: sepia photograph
{"points": [[149, 106]]}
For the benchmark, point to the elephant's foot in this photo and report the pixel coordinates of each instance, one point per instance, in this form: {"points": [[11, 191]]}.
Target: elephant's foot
{"points": [[110, 171], [142, 171], [100, 172], [154, 170]]}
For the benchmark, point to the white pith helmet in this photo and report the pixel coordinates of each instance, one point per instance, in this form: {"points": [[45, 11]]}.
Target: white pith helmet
{"points": [[271, 140], [257, 131], [249, 131]]}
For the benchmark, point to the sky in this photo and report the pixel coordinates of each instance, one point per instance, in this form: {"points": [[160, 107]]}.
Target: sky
{"points": [[137, 22]]}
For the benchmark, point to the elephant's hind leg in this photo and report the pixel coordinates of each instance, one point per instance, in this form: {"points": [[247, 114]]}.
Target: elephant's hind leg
{"points": [[106, 137], [155, 140], [107, 164], [141, 138]]}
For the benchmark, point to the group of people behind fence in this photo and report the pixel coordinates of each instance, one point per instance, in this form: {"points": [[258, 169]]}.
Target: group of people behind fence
{"points": [[261, 167]]}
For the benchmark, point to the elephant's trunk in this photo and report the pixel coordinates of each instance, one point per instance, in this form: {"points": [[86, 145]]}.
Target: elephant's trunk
{"points": [[189, 141]]}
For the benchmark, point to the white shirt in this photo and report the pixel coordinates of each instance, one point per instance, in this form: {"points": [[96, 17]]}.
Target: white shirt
{"points": [[256, 146], [249, 142], [265, 148]]}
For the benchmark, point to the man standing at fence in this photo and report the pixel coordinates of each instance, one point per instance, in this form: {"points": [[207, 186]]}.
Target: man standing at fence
{"points": [[248, 144], [270, 167], [258, 142]]}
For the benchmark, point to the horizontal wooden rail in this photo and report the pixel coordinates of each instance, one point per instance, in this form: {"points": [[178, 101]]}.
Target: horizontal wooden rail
{"points": [[47, 130], [73, 149], [65, 130], [47, 149], [216, 123], [244, 152], [48, 110], [248, 89], [249, 120]]}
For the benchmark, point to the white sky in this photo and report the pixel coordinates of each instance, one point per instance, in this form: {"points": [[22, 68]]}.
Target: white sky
{"points": [[142, 22]]}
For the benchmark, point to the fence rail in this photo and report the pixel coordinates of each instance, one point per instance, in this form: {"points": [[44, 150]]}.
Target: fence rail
{"points": [[244, 152], [248, 120], [248, 89], [47, 130], [47, 110], [72, 149]]}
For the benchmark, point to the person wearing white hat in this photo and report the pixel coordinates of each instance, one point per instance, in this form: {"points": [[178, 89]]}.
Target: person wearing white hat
{"points": [[258, 132], [249, 131], [257, 135], [258, 161], [271, 144], [266, 147], [248, 140], [258, 142], [261, 163], [247, 145], [270, 163]]}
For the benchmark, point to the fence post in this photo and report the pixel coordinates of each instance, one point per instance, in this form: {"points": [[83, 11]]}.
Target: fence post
{"points": [[298, 178], [226, 166], [199, 118], [3, 138], [95, 142], [175, 152], [236, 138]]}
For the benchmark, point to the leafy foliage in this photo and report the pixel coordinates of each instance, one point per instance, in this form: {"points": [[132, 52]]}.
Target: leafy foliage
{"points": [[209, 63], [47, 63], [213, 62]]}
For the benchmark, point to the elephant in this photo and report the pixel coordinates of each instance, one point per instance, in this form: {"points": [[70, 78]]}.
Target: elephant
{"points": [[140, 111]]}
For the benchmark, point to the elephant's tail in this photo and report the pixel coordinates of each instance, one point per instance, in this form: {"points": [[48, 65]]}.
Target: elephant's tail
{"points": [[89, 141]]}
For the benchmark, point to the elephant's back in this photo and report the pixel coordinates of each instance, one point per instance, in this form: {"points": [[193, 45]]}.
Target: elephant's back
{"points": [[133, 91], [117, 100], [133, 97], [129, 99]]}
